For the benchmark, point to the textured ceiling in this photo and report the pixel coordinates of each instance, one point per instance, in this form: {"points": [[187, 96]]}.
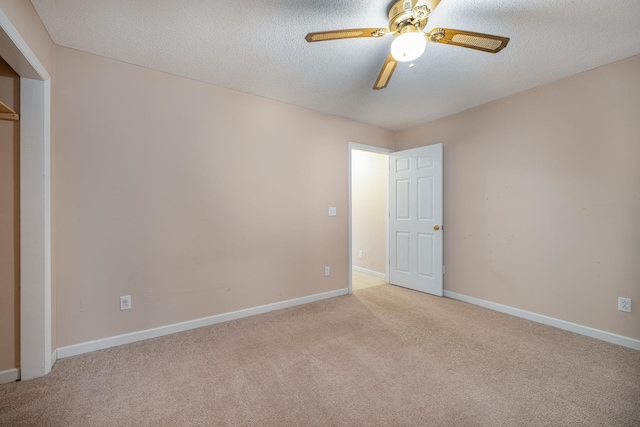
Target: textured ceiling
{"points": [[258, 47]]}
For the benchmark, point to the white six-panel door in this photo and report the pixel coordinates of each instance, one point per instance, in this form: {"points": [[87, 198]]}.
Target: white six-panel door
{"points": [[415, 222]]}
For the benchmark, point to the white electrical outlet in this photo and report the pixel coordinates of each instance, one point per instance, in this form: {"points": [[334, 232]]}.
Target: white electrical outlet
{"points": [[624, 304], [125, 302], [327, 271], [332, 211], [360, 253]]}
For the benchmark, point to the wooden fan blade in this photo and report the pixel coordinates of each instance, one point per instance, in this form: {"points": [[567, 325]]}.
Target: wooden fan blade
{"points": [[478, 41], [354, 33], [385, 73]]}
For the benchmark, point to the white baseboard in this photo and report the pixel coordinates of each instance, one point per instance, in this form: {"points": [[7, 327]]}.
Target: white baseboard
{"points": [[54, 357], [74, 350], [369, 272], [546, 320], [10, 375]]}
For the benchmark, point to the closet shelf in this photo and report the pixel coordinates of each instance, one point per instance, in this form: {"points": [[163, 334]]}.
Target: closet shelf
{"points": [[7, 113]]}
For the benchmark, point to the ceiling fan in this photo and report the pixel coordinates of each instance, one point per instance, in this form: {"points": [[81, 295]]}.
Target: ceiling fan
{"points": [[407, 20]]}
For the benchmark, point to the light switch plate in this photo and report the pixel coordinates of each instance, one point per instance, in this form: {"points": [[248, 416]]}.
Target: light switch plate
{"points": [[332, 211], [125, 302]]}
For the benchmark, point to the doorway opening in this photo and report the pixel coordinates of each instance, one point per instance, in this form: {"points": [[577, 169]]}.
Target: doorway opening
{"points": [[413, 214], [368, 216]]}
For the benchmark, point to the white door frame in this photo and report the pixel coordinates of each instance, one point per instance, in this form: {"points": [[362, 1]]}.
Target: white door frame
{"points": [[363, 147], [35, 201]]}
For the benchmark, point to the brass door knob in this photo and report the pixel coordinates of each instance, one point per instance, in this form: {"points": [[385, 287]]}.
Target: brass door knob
{"points": [[436, 227]]}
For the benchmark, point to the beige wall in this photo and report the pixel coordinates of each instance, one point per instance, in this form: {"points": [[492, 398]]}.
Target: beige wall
{"points": [[9, 222], [193, 199], [369, 209], [542, 198], [197, 200]]}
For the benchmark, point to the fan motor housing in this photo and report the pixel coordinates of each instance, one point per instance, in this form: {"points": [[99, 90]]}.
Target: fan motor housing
{"points": [[401, 14]]}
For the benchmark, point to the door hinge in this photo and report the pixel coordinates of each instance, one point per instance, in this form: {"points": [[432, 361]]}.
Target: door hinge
{"points": [[443, 269]]}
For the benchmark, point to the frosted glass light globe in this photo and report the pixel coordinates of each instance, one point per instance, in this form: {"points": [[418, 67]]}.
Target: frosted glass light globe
{"points": [[408, 46]]}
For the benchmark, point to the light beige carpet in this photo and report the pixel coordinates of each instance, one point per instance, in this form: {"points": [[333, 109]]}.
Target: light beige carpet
{"points": [[360, 280], [383, 356]]}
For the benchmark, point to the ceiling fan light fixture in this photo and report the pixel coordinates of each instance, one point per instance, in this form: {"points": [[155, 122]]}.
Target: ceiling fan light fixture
{"points": [[408, 46], [407, 22]]}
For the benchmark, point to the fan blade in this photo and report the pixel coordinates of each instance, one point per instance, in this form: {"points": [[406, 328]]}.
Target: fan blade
{"points": [[478, 41], [385, 73], [354, 33]]}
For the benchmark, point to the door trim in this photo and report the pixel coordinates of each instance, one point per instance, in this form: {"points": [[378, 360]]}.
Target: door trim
{"points": [[35, 202], [364, 147]]}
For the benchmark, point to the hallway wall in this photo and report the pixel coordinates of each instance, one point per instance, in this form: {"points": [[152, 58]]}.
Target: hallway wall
{"points": [[369, 209]]}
